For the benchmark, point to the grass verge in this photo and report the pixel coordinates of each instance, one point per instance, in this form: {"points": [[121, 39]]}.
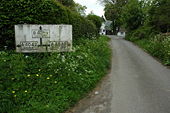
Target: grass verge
{"points": [[51, 82], [158, 46]]}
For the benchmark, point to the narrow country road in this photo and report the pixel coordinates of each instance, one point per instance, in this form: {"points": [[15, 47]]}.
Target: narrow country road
{"points": [[137, 83]]}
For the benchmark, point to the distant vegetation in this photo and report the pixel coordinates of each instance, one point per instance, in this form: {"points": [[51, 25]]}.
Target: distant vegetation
{"points": [[146, 22]]}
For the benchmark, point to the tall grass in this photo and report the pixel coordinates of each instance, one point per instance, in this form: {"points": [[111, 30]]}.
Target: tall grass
{"points": [[51, 82]]}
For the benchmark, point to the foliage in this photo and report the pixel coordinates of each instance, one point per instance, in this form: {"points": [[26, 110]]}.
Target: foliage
{"points": [[67, 3], [80, 9], [147, 33], [132, 15], [143, 32], [113, 11], [38, 12], [97, 21], [51, 82], [82, 27], [159, 15], [158, 46]]}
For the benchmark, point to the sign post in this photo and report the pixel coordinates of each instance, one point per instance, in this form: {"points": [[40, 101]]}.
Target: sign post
{"points": [[43, 38]]}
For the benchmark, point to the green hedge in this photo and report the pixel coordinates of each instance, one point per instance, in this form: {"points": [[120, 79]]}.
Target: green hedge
{"points": [[39, 12], [54, 83], [82, 27], [158, 46], [97, 20]]}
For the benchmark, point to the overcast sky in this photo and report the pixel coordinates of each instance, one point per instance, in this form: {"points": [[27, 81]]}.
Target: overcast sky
{"points": [[92, 5]]}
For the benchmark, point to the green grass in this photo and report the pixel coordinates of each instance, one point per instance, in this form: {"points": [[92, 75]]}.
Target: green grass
{"points": [[51, 82]]}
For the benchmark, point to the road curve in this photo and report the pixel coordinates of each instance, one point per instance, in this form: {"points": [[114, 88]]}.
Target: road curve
{"points": [[139, 83]]}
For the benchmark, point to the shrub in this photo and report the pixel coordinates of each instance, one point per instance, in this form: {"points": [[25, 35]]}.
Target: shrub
{"points": [[82, 27], [97, 21], [157, 46]]}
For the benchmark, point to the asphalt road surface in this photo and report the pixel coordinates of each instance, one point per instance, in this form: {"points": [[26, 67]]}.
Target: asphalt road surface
{"points": [[137, 83]]}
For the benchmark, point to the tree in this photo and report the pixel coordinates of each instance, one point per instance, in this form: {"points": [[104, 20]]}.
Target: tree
{"points": [[67, 3], [159, 14], [132, 15], [80, 9], [113, 12], [96, 20], [107, 1]]}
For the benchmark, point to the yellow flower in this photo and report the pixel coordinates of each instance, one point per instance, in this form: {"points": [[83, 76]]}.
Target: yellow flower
{"points": [[48, 78], [26, 91], [28, 75], [13, 91], [37, 75]]}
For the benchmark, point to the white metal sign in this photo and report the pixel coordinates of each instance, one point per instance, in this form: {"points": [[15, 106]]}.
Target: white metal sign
{"points": [[43, 38]]}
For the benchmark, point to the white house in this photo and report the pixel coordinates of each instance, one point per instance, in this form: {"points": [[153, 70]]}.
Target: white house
{"points": [[102, 29], [121, 33], [106, 28]]}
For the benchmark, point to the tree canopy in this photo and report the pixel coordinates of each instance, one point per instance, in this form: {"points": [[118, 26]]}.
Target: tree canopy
{"points": [[96, 20]]}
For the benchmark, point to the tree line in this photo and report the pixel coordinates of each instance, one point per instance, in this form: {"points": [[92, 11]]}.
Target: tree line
{"points": [[153, 15]]}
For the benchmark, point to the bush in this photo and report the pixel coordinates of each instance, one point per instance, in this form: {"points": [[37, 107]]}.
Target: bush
{"points": [[97, 21], [51, 82], [82, 27], [158, 46], [143, 32]]}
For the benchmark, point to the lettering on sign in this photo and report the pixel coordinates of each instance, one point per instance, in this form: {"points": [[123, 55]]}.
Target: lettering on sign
{"points": [[40, 33], [29, 45], [59, 45]]}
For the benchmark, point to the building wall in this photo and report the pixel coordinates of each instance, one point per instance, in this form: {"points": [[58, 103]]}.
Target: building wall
{"points": [[121, 34]]}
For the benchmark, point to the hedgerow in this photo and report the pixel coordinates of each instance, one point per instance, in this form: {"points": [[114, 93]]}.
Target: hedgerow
{"points": [[14, 12], [51, 82], [158, 46]]}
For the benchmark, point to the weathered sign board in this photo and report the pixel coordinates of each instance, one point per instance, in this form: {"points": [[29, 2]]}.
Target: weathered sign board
{"points": [[43, 38]]}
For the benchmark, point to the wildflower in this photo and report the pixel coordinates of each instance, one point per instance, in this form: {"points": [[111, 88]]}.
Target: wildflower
{"points": [[48, 78], [28, 75], [26, 91], [51, 75], [12, 78], [55, 82], [13, 91], [47, 105], [37, 75], [15, 95], [39, 70], [26, 56]]}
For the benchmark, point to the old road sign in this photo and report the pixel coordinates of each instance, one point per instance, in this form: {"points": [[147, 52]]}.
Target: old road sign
{"points": [[43, 38]]}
